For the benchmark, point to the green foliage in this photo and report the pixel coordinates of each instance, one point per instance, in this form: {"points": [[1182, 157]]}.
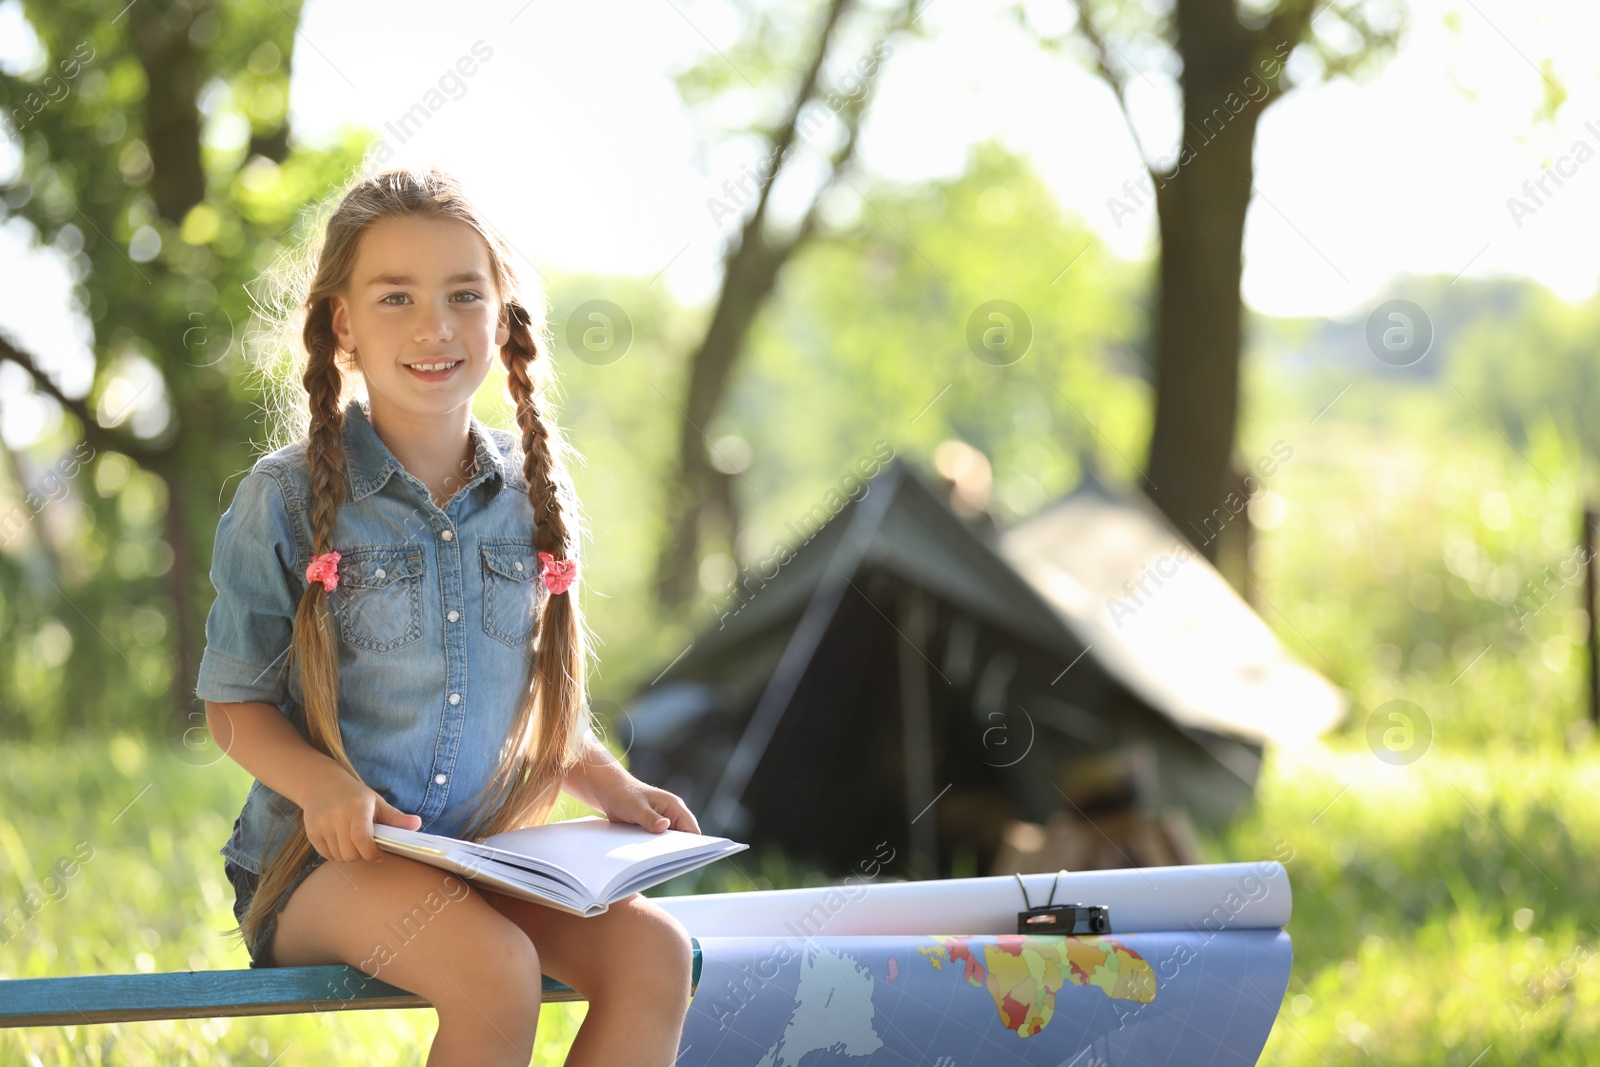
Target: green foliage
{"points": [[1357, 40], [616, 417], [866, 342], [1533, 369], [1421, 548], [113, 573], [872, 340], [748, 86]]}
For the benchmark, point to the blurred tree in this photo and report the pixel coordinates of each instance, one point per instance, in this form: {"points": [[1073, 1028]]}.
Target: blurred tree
{"points": [[155, 162], [1533, 364], [1230, 59], [869, 344], [699, 499]]}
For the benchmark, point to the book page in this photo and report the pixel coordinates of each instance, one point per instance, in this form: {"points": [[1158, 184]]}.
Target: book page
{"points": [[601, 853]]}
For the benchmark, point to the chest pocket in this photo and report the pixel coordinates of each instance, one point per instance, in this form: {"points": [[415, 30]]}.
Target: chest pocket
{"points": [[511, 590], [380, 596]]}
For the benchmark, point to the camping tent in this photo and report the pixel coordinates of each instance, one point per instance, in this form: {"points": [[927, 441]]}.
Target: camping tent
{"points": [[896, 680], [1164, 621]]}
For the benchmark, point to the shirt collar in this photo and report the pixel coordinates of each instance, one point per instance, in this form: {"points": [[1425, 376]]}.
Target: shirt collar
{"points": [[370, 463]]}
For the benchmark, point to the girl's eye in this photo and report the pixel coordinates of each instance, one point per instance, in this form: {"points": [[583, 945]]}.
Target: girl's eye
{"points": [[466, 292]]}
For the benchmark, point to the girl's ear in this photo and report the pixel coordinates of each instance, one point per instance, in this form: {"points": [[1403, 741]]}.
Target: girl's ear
{"points": [[341, 322], [502, 330]]}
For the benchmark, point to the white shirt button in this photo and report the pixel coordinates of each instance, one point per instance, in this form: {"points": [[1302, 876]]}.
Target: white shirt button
{"points": [[379, 573], [441, 778], [455, 698], [454, 615], [517, 565], [447, 535]]}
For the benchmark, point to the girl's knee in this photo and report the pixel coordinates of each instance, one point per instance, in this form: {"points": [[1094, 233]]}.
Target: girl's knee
{"points": [[663, 930], [501, 979], [677, 947], [511, 957], [665, 951], [496, 951]]}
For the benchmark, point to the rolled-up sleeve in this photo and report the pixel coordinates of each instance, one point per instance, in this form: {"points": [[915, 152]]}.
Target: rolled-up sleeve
{"points": [[250, 625]]}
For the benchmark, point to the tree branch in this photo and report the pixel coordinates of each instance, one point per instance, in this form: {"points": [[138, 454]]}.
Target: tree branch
{"points": [[844, 155], [783, 139], [1291, 23], [102, 438], [1118, 81], [750, 267]]}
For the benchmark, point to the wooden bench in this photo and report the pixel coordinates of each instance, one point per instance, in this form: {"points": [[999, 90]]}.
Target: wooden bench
{"points": [[117, 998]]}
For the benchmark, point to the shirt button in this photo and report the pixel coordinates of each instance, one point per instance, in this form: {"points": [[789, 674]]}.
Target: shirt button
{"points": [[517, 565], [454, 615], [379, 573], [441, 778], [447, 535], [455, 698]]}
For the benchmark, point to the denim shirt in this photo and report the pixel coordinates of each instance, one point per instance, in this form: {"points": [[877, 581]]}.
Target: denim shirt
{"points": [[435, 610]]}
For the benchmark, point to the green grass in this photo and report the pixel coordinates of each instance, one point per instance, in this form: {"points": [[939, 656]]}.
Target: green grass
{"points": [[1442, 910], [152, 897]]}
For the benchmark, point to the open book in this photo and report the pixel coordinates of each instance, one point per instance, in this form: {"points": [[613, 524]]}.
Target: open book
{"points": [[580, 866]]}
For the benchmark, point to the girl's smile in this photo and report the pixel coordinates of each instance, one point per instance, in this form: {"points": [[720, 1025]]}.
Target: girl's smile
{"points": [[437, 370]]}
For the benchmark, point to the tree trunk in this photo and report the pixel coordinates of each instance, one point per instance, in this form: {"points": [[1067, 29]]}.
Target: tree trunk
{"points": [[171, 108], [172, 121], [756, 267], [1201, 209]]}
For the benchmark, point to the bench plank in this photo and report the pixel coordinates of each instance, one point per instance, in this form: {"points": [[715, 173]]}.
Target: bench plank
{"points": [[111, 998]]}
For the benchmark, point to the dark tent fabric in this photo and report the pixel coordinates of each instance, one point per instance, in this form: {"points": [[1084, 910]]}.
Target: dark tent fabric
{"points": [[897, 681]]}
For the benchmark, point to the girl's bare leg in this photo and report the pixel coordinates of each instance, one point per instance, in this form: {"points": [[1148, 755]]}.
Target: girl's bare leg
{"points": [[425, 930], [634, 964]]}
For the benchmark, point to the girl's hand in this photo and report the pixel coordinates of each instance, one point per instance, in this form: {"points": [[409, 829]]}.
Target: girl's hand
{"points": [[627, 800], [339, 818]]}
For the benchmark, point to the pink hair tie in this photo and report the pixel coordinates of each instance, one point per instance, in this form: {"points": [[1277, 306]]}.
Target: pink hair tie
{"points": [[559, 574], [324, 569]]}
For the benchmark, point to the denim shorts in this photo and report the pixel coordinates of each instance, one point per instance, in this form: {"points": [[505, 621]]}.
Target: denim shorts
{"points": [[244, 888]]}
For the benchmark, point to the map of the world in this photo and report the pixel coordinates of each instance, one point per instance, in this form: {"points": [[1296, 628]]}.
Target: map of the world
{"points": [[961, 1000]]}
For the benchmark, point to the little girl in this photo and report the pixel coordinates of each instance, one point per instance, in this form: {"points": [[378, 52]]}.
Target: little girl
{"points": [[396, 639]]}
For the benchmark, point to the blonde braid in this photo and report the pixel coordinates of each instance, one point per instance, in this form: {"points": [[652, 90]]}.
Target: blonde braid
{"points": [[548, 753], [314, 646]]}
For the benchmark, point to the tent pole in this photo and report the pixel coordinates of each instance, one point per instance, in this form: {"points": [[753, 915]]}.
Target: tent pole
{"points": [[916, 732], [722, 809]]}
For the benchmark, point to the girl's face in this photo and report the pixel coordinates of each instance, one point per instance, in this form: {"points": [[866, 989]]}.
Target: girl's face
{"points": [[422, 295]]}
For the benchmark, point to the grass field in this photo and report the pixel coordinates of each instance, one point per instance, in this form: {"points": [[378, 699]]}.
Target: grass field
{"points": [[1442, 910], [152, 897]]}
